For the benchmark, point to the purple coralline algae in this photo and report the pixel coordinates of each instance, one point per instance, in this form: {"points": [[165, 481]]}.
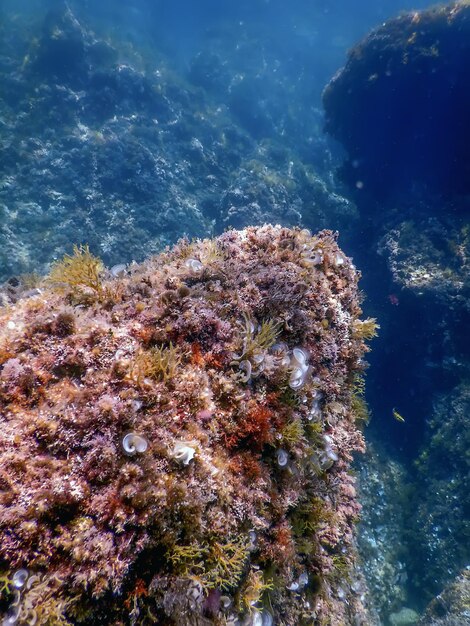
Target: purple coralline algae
{"points": [[157, 465]]}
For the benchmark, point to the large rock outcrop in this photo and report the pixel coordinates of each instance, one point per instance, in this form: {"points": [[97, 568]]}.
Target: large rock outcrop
{"points": [[176, 437], [400, 104], [111, 145]]}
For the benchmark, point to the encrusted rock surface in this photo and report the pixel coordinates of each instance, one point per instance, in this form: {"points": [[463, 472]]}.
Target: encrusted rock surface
{"points": [[400, 108], [382, 488], [400, 104], [102, 144], [431, 257], [176, 437], [441, 523], [452, 606]]}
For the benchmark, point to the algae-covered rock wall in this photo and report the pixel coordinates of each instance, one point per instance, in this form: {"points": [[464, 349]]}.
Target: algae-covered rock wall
{"points": [[176, 437], [400, 108], [400, 104], [111, 144]]}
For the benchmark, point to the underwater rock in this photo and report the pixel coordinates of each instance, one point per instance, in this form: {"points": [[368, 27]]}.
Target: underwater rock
{"points": [[431, 257], [106, 533], [400, 108], [109, 144], [383, 490], [61, 50], [400, 104], [440, 525], [452, 606], [404, 617]]}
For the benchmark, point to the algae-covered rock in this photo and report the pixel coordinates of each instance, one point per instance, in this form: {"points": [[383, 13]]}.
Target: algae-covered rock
{"points": [[400, 105], [452, 606], [176, 437], [404, 617], [441, 525], [109, 144]]}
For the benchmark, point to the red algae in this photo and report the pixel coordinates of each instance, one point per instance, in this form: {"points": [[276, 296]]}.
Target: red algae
{"points": [[175, 443]]}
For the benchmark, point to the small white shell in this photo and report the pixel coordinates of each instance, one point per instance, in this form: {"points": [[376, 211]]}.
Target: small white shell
{"points": [[312, 256], [267, 618], [118, 270], [133, 442], [259, 358], [282, 458], [339, 259], [246, 367], [257, 619], [194, 265], [19, 578], [33, 580], [12, 616], [225, 601], [300, 355], [331, 454], [297, 377], [183, 452]]}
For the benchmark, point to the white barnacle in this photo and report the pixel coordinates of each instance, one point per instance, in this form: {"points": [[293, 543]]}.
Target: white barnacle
{"points": [[325, 458], [194, 265], [257, 619], [33, 580], [183, 452], [133, 443], [280, 353], [267, 618], [12, 616], [311, 256], [195, 594], [339, 259], [315, 408], [331, 454], [225, 602], [298, 584], [303, 579], [296, 379]]}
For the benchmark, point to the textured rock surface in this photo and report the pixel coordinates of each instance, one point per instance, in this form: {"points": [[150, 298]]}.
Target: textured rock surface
{"points": [[400, 108], [105, 145], [383, 493], [176, 437], [452, 606], [442, 516], [431, 258], [400, 104]]}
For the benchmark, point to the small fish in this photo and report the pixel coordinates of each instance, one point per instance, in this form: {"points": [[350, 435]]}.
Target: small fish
{"points": [[397, 416]]}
